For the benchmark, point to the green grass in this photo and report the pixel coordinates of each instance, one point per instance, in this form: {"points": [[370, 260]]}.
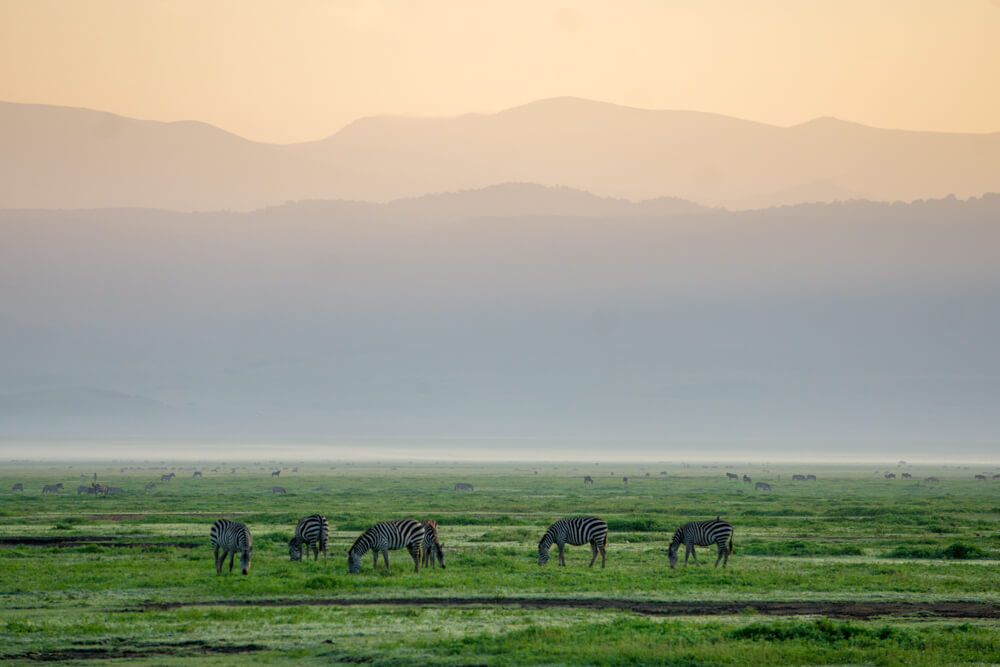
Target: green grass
{"points": [[849, 536]]}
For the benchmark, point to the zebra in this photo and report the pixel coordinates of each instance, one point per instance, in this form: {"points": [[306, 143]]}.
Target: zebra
{"points": [[588, 480], [52, 488], [197, 473], [812, 478], [762, 486], [746, 479], [150, 486], [278, 489], [931, 479], [384, 536], [981, 477], [731, 475], [314, 531], [798, 478], [113, 489], [166, 478], [276, 473], [462, 486], [231, 537], [907, 475], [99, 487], [702, 534], [83, 488], [432, 547], [576, 531], [18, 487], [890, 475], [625, 480]]}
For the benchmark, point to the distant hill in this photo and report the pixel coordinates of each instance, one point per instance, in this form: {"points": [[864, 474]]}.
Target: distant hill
{"points": [[56, 157]]}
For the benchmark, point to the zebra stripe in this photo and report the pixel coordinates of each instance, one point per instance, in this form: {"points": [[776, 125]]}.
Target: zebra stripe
{"points": [[312, 531], [231, 537], [385, 536], [702, 534], [432, 547], [575, 530]]}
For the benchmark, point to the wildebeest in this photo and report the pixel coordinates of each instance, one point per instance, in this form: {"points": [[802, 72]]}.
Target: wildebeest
{"points": [[763, 486], [732, 475], [277, 489], [462, 486], [18, 487], [588, 480], [276, 473], [197, 473], [52, 488], [746, 479], [811, 478], [890, 475], [798, 478]]}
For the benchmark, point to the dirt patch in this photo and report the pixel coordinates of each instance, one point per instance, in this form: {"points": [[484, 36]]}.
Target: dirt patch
{"points": [[840, 608], [81, 540], [191, 648]]}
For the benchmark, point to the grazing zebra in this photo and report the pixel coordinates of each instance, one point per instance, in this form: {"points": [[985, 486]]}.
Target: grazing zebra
{"points": [[150, 486], [625, 479], [166, 478], [890, 475], [931, 479], [702, 534], [981, 477], [384, 536], [730, 475], [762, 486], [231, 537], [812, 478], [432, 547], [278, 489], [798, 478], [52, 488], [276, 473], [83, 488], [462, 486], [312, 531], [18, 487], [576, 531], [113, 489], [588, 480], [100, 488], [907, 475], [746, 479], [197, 473]]}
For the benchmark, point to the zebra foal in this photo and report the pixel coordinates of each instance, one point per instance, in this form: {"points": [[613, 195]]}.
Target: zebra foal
{"points": [[231, 537], [432, 546], [311, 531], [702, 534], [384, 536], [576, 531]]}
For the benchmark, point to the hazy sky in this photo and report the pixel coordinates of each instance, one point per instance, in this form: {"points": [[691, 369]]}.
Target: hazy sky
{"points": [[286, 72]]}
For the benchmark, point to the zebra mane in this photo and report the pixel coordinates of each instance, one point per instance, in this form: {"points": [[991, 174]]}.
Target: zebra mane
{"points": [[358, 541]]}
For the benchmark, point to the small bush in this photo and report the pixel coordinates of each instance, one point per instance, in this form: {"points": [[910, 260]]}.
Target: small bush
{"points": [[960, 551], [634, 525]]}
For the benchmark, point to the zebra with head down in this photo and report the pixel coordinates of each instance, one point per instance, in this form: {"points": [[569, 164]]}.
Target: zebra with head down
{"points": [[702, 534]]}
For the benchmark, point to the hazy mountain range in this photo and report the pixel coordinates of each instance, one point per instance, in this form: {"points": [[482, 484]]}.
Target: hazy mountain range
{"points": [[514, 311], [57, 157]]}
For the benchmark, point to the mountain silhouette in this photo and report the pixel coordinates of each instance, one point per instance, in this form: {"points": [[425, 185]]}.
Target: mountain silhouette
{"points": [[58, 157]]}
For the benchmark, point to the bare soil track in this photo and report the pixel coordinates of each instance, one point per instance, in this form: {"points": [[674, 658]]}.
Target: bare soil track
{"points": [[839, 608], [81, 540], [139, 650]]}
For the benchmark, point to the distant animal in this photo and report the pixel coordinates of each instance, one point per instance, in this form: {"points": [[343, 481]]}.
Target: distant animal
{"points": [[384, 536], [114, 489], [197, 473], [588, 480], [166, 478], [746, 479], [798, 478], [18, 487], [311, 531], [84, 488], [663, 472], [95, 476], [907, 475], [732, 475], [739, 491], [231, 538], [982, 477], [296, 469], [890, 475], [576, 531], [997, 476], [432, 547], [702, 534], [277, 489], [276, 473], [98, 487], [811, 478], [647, 474], [150, 486], [762, 486], [462, 486], [625, 480], [931, 479], [52, 488]]}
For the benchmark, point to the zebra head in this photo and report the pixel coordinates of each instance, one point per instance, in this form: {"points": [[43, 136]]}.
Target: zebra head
{"points": [[295, 548], [439, 552], [672, 554], [245, 560], [353, 562], [543, 554]]}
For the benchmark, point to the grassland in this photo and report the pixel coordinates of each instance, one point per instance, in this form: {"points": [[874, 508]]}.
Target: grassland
{"points": [[131, 577]]}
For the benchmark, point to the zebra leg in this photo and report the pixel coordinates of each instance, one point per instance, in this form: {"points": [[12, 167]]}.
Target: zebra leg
{"points": [[232, 557], [688, 549], [593, 554], [385, 557], [375, 553], [694, 555], [415, 555], [562, 548], [602, 556], [315, 551], [218, 563], [722, 550]]}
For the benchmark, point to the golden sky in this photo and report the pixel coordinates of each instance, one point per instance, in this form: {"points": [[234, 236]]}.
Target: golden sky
{"points": [[295, 71]]}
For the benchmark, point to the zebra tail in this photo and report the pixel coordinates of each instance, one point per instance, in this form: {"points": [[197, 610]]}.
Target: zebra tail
{"points": [[730, 544]]}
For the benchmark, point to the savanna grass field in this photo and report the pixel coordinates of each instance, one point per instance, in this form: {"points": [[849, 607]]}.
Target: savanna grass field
{"points": [[849, 568]]}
